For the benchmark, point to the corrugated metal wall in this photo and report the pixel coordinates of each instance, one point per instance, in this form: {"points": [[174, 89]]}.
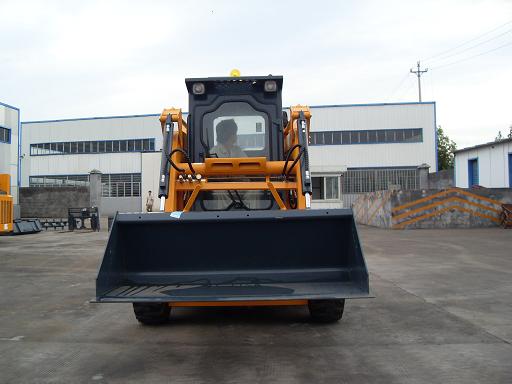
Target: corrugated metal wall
{"points": [[375, 117], [9, 118], [492, 166], [137, 127]]}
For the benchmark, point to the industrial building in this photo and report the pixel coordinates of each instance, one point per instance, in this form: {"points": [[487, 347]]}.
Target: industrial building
{"points": [[488, 165], [354, 149], [9, 147]]}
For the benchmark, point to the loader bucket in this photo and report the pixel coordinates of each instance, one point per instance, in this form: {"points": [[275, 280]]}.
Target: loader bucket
{"points": [[232, 256]]}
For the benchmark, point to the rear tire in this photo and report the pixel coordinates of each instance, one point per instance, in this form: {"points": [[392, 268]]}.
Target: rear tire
{"points": [[326, 311], [152, 313]]}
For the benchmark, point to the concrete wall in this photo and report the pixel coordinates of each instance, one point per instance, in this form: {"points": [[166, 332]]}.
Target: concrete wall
{"points": [[441, 179], [448, 208], [493, 166], [45, 202], [110, 205], [373, 208], [54, 201]]}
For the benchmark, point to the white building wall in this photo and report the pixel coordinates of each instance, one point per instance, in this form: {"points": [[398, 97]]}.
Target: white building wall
{"points": [[332, 160], [493, 167], [374, 117], [90, 129], [9, 118], [150, 178]]}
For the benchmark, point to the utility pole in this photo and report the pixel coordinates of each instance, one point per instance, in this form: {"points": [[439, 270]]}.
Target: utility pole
{"points": [[418, 73]]}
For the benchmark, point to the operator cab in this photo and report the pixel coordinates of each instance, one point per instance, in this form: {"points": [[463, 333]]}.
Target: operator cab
{"points": [[234, 117], [248, 107]]}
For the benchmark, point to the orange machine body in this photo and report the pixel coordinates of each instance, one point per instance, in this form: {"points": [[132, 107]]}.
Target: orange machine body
{"points": [[6, 205], [184, 190]]}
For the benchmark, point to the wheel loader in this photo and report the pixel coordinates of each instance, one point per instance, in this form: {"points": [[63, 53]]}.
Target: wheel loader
{"points": [[236, 226]]}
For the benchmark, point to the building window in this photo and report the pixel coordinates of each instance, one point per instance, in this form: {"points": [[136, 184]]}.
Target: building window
{"points": [[473, 176], [121, 185], [100, 146], [113, 185], [59, 181], [5, 135], [379, 136], [326, 187]]}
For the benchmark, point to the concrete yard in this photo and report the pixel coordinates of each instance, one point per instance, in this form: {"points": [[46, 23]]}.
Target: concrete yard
{"points": [[442, 314]]}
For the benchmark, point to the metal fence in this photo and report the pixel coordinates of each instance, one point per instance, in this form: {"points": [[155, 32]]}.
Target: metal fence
{"points": [[121, 185], [358, 181]]}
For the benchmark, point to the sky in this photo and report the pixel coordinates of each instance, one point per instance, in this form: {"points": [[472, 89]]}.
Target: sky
{"points": [[69, 59]]}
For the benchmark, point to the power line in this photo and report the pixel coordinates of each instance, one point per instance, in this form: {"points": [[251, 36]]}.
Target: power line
{"points": [[471, 57], [411, 85], [475, 45], [468, 41], [395, 90]]}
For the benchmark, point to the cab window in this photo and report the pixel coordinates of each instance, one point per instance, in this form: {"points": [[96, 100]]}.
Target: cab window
{"points": [[236, 129]]}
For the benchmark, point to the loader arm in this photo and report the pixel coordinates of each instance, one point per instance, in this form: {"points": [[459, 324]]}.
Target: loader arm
{"points": [[181, 182]]}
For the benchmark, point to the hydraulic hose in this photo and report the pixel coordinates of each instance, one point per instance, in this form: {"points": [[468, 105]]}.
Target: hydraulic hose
{"points": [[187, 159]]}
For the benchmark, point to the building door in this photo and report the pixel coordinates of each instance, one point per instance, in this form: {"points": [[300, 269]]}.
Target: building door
{"points": [[510, 170], [473, 177]]}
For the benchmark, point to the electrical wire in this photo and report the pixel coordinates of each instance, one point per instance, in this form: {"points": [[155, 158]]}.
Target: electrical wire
{"points": [[476, 45], [397, 88], [466, 42], [472, 57]]}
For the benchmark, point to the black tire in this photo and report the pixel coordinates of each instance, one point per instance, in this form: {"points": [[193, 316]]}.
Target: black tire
{"points": [[152, 313], [326, 311]]}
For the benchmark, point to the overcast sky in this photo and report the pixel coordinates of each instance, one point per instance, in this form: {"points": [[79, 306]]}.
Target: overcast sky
{"points": [[100, 58]]}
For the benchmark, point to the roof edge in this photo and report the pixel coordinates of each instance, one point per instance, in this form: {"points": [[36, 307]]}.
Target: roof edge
{"points": [[90, 118], [502, 141], [9, 106], [184, 112]]}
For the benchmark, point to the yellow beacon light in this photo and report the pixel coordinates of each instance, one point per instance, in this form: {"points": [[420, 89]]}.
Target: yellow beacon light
{"points": [[235, 73]]}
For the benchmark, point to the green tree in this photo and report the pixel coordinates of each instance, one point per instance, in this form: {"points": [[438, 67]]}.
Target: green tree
{"points": [[445, 149], [500, 136]]}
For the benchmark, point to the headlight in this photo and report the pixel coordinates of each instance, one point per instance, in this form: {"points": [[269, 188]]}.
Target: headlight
{"points": [[198, 88], [270, 86]]}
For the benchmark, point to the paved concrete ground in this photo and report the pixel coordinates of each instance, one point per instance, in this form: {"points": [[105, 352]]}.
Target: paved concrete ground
{"points": [[443, 314]]}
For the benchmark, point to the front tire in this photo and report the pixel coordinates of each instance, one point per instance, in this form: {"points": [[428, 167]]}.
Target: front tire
{"points": [[152, 313], [326, 311]]}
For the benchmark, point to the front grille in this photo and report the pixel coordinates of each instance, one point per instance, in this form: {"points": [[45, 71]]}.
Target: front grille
{"points": [[5, 211]]}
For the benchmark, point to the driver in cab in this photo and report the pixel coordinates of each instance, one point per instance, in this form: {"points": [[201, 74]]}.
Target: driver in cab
{"points": [[226, 140]]}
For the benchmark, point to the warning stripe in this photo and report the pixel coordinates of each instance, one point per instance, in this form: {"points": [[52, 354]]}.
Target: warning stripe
{"points": [[422, 200], [443, 193], [441, 202], [442, 210]]}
